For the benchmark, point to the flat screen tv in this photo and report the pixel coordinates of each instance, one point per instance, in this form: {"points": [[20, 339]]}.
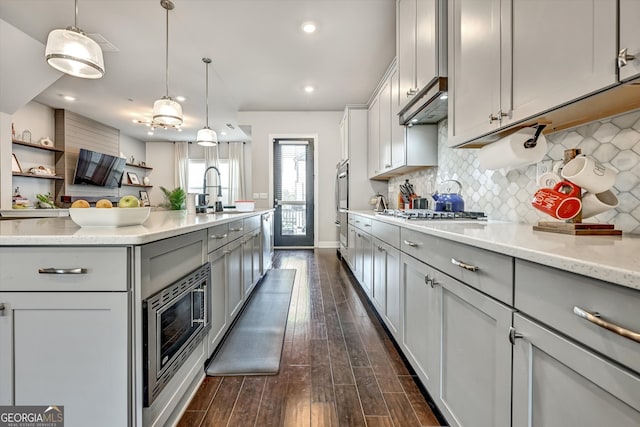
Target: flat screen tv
{"points": [[99, 169]]}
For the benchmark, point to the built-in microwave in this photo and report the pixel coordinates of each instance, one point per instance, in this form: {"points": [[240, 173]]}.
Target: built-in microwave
{"points": [[175, 321]]}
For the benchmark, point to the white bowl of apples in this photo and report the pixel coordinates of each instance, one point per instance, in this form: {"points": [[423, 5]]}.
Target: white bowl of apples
{"points": [[104, 214]]}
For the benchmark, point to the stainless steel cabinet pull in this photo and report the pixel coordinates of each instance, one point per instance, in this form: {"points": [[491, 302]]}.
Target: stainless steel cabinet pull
{"points": [[226, 252], [380, 248], [367, 225], [412, 91], [342, 175], [464, 265], [497, 117], [595, 318], [219, 236], [513, 335], [623, 57], [431, 281], [235, 229], [1, 309], [410, 243], [388, 165], [53, 270]]}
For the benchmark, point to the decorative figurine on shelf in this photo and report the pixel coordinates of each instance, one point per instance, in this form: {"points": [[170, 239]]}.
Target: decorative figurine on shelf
{"points": [[132, 160], [26, 136], [146, 180], [13, 131]]}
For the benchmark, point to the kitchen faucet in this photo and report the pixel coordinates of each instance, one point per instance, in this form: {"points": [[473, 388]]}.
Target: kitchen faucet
{"points": [[202, 202]]}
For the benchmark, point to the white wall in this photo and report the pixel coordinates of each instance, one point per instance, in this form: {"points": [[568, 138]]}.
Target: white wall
{"points": [[324, 124], [160, 157]]}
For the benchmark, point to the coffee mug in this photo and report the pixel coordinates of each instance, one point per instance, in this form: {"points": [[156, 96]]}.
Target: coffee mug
{"points": [[596, 203], [589, 174], [556, 203]]}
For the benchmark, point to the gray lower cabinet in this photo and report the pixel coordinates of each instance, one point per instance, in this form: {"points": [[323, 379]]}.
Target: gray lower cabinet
{"points": [[475, 365], [218, 298], [235, 292], [557, 382], [386, 284], [82, 373], [351, 249], [247, 264], [420, 330]]}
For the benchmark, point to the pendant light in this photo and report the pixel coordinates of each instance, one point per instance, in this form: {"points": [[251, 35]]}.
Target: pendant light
{"points": [[167, 112], [206, 136], [73, 52]]}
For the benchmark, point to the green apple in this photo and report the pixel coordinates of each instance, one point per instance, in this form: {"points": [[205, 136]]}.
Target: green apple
{"points": [[128, 201]]}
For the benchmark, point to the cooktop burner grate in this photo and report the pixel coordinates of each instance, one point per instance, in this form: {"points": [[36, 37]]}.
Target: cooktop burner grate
{"points": [[426, 214]]}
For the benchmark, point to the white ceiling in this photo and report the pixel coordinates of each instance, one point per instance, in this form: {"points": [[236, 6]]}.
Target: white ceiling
{"points": [[261, 58]]}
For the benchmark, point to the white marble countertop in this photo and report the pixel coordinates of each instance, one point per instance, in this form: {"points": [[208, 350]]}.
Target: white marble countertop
{"points": [[613, 259], [63, 231]]}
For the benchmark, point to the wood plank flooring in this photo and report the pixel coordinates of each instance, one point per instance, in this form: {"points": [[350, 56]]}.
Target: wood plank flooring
{"points": [[339, 368]]}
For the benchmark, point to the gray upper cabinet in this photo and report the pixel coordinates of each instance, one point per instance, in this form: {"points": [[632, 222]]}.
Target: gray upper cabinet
{"points": [[511, 61], [629, 40], [559, 383], [417, 37]]}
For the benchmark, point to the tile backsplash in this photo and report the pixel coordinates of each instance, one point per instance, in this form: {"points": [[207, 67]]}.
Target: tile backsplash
{"points": [[506, 195]]}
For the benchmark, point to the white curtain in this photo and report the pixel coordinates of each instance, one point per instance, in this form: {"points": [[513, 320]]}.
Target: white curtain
{"points": [[181, 154], [211, 157], [236, 172]]}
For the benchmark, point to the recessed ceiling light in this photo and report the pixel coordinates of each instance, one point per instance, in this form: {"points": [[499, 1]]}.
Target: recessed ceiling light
{"points": [[309, 89], [223, 133], [69, 98], [444, 96], [309, 27], [149, 133], [180, 98]]}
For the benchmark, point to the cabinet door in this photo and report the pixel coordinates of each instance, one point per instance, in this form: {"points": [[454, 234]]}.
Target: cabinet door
{"points": [[351, 249], [235, 293], [406, 36], [68, 349], [559, 383], [379, 285], [571, 58], [247, 264], [384, 154], [398, 153], [426, 42], [475, 388], [218, 298], [630, 37], [366, 243], [420, 325], [344, 136], [373, 138], [393, 297], [474, 67], [255, 261]]}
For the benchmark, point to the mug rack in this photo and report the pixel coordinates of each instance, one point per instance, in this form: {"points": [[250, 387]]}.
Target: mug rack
{"points": [[575, 226]]}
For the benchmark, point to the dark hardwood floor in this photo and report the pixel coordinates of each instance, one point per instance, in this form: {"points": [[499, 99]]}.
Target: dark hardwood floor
{"points": [[338, 367]]}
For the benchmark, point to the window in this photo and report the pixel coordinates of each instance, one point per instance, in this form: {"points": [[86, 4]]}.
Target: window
{"points": [[196, 177]]}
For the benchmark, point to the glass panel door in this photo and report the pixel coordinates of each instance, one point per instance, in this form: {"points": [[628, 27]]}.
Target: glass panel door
{"points": [[293, 192]]}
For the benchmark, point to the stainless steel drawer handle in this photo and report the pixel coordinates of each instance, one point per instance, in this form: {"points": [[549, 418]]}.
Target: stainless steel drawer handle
{"points": [[595, 318], [380, 248], [410, 243], [1, 309], [218, 236], [367, 225], [236, 229], [464, 265], [53, 270]]}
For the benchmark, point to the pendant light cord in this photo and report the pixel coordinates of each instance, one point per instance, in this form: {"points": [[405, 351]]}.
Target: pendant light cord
{"points": [[75, 20], [207, 61], [166, 58]]}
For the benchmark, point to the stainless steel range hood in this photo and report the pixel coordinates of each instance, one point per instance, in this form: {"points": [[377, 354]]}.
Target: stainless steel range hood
{"points": [[429, 105]]}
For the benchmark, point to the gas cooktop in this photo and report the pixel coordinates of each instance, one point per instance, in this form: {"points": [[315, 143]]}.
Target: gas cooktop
{"points": [[427, 214]]}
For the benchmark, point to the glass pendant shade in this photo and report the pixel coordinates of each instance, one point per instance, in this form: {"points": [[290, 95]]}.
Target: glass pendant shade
{"points": [[207, 137], [73, 53], [167, 112]]}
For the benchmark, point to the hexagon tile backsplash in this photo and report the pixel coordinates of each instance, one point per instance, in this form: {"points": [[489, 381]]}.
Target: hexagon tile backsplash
{"points": [[506, 195]]}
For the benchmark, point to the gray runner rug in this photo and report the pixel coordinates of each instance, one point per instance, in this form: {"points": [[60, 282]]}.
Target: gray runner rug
{"points": [[254, 344]]}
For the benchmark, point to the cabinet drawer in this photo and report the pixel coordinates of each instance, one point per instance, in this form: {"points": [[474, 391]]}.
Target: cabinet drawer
{"points": [[388, 233], [363, 223], [236, 229], [251, 223], [217, 236], [550, 295], [493, 273], [70, 269]]}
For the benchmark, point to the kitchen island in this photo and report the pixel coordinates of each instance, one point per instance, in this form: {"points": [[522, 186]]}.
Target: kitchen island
{"points": [[504, 325], [74, 302]]}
